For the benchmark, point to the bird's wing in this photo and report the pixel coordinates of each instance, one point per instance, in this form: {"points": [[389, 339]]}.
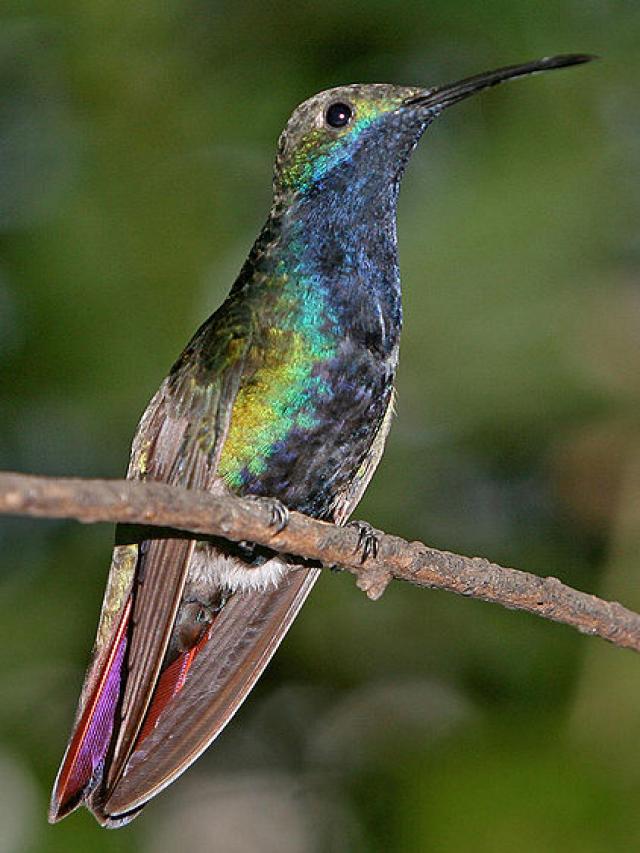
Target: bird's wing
{"points": [[178, 441]]}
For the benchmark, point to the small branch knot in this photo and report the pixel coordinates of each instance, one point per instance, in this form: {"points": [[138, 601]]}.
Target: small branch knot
{"points": [[374, 582]]}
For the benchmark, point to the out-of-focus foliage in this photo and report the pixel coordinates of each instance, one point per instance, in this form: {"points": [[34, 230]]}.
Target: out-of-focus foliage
{"points": [[136, 141]]}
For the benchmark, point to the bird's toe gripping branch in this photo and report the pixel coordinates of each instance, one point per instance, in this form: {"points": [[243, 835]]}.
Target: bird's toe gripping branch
{"points": [[279, 514], [368, 541], [376, 579]]}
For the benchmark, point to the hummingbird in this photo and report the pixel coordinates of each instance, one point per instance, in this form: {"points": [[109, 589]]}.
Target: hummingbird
{"points": [[285, 394]]}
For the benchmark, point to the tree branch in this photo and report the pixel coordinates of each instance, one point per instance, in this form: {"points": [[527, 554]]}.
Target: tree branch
{"points": [[150, 503]]}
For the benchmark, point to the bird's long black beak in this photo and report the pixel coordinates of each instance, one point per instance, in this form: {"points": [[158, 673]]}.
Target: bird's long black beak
{"points": [[443, 96]]}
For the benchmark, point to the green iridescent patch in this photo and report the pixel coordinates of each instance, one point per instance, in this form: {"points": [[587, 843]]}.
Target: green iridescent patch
{"points": [[282, 394]]}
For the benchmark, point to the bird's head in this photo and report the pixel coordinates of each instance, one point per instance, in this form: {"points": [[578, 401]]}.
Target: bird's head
{"points": [[360, 136]]}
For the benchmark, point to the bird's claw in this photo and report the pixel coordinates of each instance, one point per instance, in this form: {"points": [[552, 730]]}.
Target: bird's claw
{"points": [[368, 542], [279, 514]]}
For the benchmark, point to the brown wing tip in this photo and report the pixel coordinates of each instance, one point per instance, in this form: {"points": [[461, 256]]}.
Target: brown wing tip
{"points": [[96, 805], [60, 808]]}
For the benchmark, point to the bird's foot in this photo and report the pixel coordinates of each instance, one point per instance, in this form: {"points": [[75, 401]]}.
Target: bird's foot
{"points": [[278, 511], [368, 542]]}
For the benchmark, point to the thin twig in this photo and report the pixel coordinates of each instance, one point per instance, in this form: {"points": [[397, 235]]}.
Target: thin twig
{"points": [[394, 558]]}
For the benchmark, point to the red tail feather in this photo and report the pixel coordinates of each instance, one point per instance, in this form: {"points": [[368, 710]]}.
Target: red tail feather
{"points": [[169, 685]]}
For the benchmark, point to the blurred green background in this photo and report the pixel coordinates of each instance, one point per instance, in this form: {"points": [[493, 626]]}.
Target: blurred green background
{"points": [[136, 142]]}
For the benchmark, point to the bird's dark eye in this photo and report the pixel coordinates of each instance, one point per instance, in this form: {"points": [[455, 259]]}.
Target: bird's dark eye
{"points": [[338, 114]]}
